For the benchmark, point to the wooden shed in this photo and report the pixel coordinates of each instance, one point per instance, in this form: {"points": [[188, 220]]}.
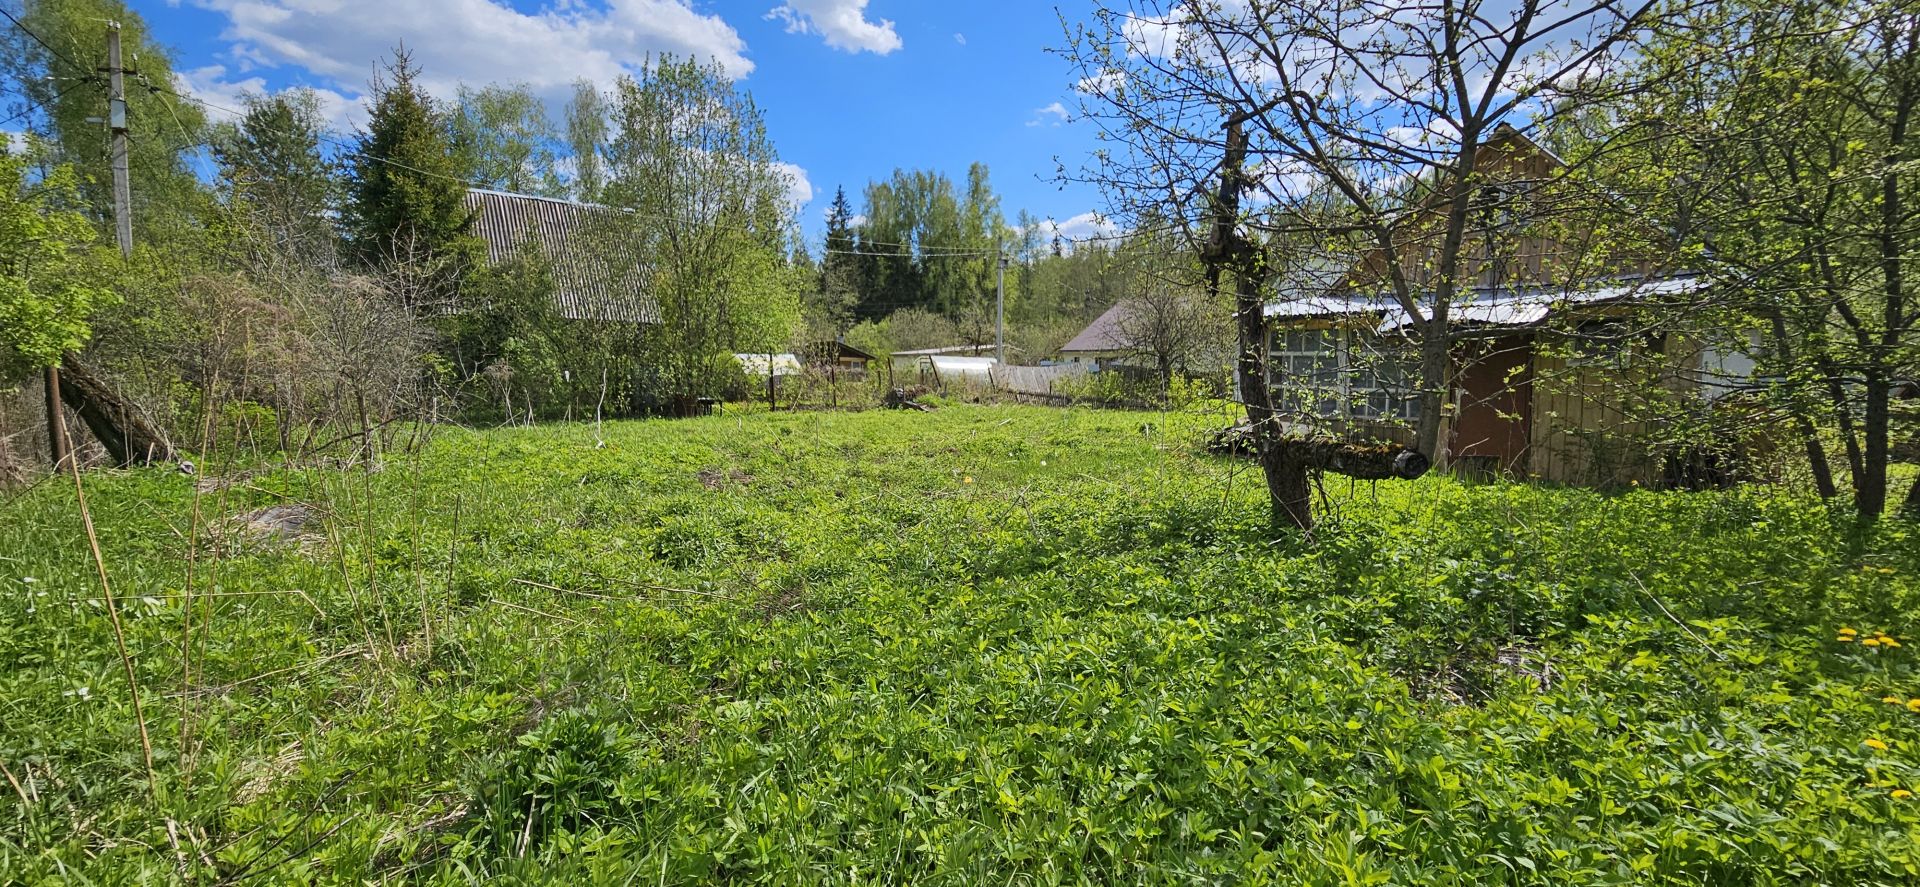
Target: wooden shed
{"points": [[1549, 354]]}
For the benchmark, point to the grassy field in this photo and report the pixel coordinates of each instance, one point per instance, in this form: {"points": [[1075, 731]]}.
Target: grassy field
{"points": [[984, 645]]}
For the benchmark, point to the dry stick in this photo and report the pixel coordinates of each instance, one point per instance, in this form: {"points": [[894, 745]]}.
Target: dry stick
{"points": [[304, 666], [186, 607], [535, 612], [585, 594], [16, 784], [1676, 620], [119, 630]]}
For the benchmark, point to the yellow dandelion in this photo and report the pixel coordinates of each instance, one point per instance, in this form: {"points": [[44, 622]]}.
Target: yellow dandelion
{"points": [[1870, 642], [1876, 745], [1845, 639], [1849, 632], [1889, 642], [1902, 794], [966, 480], [1894, 700], [1913, 705]]}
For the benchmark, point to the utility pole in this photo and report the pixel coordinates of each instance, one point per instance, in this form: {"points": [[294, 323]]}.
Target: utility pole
{"points": [[56, 420], [1000, 312], [58, 444], [117, 124]]}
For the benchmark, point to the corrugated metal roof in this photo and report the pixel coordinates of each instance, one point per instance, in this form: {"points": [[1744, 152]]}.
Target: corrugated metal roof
{"points": [[594, 277], [1488, 307], [952, 349]]}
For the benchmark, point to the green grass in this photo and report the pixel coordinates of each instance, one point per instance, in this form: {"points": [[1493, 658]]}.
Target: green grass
{"points": [[984, 645]]}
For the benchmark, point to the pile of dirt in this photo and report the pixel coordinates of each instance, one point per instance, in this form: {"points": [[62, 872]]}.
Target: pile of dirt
{"points": [[276, 525]]}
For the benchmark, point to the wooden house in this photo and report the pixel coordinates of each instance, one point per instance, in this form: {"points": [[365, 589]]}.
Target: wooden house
{"points": [[840, 360], [1552, 350]]}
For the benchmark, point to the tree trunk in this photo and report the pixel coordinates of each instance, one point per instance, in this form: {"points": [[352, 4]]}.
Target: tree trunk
{"points": [[1870, 488], [1287, 483], [1356, 460], [119, 426], [1228, 250], [1436, 363], [1816, 457], [1912, 507]]}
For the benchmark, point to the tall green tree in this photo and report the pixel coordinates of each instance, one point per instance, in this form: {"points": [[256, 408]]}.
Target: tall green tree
{"points": [[506, 141], [691, 160], [283, 190], [53, 273], [587, 129], [406, 213]]}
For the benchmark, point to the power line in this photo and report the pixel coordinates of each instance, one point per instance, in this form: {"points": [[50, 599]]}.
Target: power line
{"points": [[33, 106], [36, 38]]}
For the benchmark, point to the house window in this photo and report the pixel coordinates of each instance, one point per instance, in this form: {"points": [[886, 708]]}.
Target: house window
{"points": [[1306, 371], [1382, 377], [1330, 373]]}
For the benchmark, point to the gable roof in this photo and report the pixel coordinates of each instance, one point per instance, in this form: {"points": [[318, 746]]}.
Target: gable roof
{"points": [[594, 278], [1106, 333]]}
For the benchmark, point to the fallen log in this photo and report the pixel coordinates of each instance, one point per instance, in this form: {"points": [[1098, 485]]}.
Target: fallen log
{"points": [[1363, 461], [119, 426]]}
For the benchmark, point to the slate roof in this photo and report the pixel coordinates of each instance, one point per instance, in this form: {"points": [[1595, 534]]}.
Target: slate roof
{"points": [[1106, 333], [595, 277], [1502, 307]]}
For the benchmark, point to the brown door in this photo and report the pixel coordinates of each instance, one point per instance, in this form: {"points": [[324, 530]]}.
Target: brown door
{"points": [[1494, 388]]}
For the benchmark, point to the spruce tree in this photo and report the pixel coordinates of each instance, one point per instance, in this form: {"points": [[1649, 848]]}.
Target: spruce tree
{"points": [[406, 211], [283, 189]]}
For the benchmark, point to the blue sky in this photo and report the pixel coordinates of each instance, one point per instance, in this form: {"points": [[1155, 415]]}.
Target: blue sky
{"points": [[851, 89]]}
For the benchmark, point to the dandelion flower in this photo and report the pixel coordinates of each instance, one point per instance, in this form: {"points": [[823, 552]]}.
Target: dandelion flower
{"points": [[1894, 700], [1913, 705], [1876, 745], [1849, 632], [966, 480], [1845, 639], [1902, 794], [1870, 642], [1888, 642]]}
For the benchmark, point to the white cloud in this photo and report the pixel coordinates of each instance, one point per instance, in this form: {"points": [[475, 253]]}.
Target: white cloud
{"points": [[1086, 226], [1054, 115], [960, 39], [843, 23], [799, 187], [210, 84], [1101, 84], [474, 41]]}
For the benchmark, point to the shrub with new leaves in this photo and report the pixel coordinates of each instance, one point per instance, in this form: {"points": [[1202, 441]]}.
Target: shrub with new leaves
{"points": [[49, 271]]}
